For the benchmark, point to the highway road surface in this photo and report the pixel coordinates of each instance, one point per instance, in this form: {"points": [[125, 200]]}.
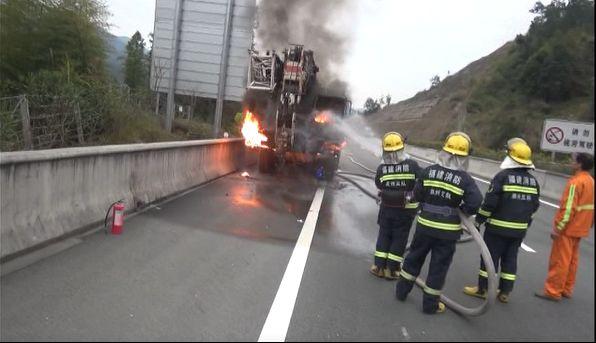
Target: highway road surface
{"points": [[272, 257]]}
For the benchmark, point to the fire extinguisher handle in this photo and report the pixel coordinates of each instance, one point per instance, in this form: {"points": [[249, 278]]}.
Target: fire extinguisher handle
{"points": [[105, 221]]}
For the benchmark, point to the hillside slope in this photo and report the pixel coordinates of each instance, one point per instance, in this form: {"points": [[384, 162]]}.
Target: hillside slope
{"points": [[431, 114], [547, 73]]}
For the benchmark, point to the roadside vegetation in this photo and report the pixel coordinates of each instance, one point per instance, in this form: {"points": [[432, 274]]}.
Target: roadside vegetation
{"points": [[53, 57]]}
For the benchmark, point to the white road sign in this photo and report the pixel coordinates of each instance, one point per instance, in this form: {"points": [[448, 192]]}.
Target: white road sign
{"points": [[567, 136], [199, 46]]}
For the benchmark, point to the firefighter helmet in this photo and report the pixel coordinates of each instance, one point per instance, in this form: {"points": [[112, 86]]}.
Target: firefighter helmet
{"points": [[458, 143], [519, 151], [392, 141]]}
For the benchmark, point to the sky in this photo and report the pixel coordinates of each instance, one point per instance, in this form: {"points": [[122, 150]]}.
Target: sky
{"points": [[129, 16], [397, 45]]}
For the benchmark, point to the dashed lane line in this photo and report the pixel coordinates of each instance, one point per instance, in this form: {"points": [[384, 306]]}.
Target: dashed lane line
{"points": [[527, 248]]}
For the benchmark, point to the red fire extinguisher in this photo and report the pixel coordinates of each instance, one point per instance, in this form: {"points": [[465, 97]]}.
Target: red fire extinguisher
{"points": [[117, 218]]}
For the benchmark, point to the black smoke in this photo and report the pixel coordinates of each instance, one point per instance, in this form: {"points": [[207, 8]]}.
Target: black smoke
{"points": [[310, 23]]}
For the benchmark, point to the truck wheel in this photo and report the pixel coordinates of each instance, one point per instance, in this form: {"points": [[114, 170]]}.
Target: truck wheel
{"points": [[266, 161]]}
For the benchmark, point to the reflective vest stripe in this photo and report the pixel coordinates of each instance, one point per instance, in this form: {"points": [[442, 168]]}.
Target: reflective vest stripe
{"points": [[443, 185], [520, 189], [509, 225], [381, 254], [389, 177], [412, 205], [484, 213], [407, 276], [510, 277], [437, 225], [568, 204], [395, 257], [585, 207]]}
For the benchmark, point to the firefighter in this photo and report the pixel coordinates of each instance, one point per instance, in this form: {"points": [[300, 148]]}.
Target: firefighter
{"points": [[395, 179], [572, 222], [443, 190], [511, 200]]}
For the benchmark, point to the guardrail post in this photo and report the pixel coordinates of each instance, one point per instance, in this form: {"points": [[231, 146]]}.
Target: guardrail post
{"points": [[79, 124], [26, 123]]}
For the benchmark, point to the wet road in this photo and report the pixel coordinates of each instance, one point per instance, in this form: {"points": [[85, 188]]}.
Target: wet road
{"points": [[208, 265]]}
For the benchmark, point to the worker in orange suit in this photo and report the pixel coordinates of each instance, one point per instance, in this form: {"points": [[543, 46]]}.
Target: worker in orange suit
{"points": [[572, 222]]}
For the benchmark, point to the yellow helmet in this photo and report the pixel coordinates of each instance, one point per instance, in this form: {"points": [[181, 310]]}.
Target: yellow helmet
{"points": [[458, 143], [519, 151], [515, 140], [392, 141]]}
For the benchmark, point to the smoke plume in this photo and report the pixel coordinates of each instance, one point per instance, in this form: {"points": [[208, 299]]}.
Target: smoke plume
{"points": [[316, 24]]}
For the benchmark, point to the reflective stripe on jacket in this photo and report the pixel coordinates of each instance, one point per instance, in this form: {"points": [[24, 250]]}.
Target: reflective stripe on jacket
{"points": [[511, 200], [398, 177], [445, 189]]}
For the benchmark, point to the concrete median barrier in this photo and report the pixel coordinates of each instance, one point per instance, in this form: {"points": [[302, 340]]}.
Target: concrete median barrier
{"points": [[47, 195]]}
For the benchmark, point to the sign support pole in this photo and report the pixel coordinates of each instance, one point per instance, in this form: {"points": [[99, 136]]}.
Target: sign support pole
{"points": [[173, 65], [223, 68]]}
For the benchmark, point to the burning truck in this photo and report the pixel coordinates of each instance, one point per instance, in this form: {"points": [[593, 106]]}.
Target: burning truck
{"points": [[289, 116]]}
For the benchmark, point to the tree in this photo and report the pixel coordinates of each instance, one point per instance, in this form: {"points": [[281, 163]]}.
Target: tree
{"points": [[557, 58], [371, 106], [135, 65], [42, 35], [387, 100], [434, 81], [159, 70]]}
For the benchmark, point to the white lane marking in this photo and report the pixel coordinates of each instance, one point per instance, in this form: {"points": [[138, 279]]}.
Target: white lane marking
{"points": [[488, 182], [481, 180], [404, 332], [549, 203], [527, 248], [278, 320]]}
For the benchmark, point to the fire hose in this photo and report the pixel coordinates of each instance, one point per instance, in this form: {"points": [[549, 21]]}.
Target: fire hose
{"points": [[362, 165], [469, 227], [344, 175]]}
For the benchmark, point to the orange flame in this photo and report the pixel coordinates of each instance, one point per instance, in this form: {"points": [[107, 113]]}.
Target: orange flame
{"points": [[323, 117], [250, 130], [335, 146]]}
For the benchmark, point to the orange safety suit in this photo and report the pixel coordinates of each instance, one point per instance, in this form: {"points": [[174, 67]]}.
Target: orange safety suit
{"points": [[572, 222]]}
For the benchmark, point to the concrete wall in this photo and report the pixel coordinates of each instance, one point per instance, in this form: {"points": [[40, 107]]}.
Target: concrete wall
{"points": [[48, 194], [552, 184]]}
